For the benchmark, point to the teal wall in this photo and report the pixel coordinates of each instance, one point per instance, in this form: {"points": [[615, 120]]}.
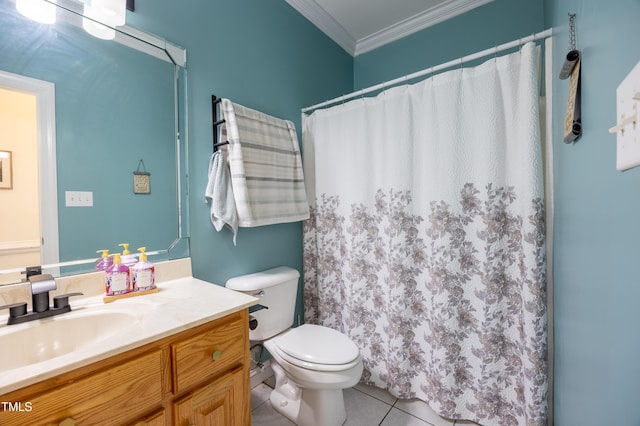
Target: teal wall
{"points": [[262, 54], [596, 225]]}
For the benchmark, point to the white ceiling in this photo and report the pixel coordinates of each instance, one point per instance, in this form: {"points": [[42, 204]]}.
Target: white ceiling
{"points": [[359, 26]]}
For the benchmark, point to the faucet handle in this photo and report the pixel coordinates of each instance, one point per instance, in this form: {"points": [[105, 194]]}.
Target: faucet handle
{"points": [[31, 271], [15, 309], [42, 283], [62, 300]]}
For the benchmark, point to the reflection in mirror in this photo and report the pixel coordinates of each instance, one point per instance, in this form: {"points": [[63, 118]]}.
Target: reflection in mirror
{"points": [[27, 128], [110, 107]]}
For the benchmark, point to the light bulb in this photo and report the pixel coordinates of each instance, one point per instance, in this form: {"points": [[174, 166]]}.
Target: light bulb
{"points": [[38, 10], [113, 11], [94, 22]]}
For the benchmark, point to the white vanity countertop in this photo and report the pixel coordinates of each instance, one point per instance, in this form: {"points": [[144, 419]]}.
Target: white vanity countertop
{"points": [[179, 305]]}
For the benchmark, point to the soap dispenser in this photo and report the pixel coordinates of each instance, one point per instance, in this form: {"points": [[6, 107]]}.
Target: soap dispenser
{"points": [[143, 273], [117, 277], [103, 262], [127, 258]]}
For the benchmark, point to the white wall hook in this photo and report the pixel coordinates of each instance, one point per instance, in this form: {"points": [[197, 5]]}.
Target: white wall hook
{"points": [[632, 118]]}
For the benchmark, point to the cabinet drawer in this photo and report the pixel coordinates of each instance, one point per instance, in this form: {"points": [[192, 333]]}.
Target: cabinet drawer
{"points": [[209, 353], [110, 397]]}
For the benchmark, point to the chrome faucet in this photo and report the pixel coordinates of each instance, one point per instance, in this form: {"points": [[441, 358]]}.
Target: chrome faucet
{"points": [[41, 285]]}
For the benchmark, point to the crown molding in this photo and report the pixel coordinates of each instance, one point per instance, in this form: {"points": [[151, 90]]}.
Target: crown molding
{"points": [[325, 22], [425, 19]]}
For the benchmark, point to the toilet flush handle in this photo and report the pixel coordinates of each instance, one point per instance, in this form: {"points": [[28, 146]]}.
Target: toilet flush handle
{"points": [[258, 293]]}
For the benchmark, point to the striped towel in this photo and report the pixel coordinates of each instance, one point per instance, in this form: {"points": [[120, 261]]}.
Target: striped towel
{"points": [[266, 168]]}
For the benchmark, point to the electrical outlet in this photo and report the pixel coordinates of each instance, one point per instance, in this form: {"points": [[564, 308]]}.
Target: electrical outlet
{"points": [[78, 198]]}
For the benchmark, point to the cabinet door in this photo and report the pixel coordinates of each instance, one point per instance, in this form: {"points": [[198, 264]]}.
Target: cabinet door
{"points": [[218, 403]]}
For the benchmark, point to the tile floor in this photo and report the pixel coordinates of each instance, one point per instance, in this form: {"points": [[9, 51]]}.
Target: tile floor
{"points": [[366, 406]]}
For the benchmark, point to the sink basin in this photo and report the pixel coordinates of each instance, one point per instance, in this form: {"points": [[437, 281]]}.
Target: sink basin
{"points": [[45, 339]]}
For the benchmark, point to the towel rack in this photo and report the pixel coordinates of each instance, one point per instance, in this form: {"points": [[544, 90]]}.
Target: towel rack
{"points": [[216, 122]]}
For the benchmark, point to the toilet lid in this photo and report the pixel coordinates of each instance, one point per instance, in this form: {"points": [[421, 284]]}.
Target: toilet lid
{"points": [[318, 345]]}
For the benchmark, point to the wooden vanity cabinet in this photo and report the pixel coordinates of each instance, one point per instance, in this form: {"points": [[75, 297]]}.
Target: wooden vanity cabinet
{"points": [[197, 377]]}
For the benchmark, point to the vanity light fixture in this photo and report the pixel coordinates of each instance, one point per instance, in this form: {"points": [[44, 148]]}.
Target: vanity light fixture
{"points": [[39, 10], [100, 17], [111, 12], [91, 24]]}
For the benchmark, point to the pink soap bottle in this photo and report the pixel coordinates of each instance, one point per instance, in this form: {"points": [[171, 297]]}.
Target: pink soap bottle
{"points": [[143, 273], [103, 263], [117, 277]]}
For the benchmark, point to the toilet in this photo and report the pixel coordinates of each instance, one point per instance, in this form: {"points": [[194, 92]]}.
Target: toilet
{"points": [[311, 363]]}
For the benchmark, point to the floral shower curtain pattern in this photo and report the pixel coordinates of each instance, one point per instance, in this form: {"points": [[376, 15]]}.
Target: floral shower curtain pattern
{"points": [[426, 238]]}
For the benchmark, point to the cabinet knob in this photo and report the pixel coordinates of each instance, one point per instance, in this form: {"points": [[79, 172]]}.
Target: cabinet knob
{"points": [[217, 354], [67, 422]]}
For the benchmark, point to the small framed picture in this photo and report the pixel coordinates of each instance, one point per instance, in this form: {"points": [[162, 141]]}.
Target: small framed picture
{"points": [[6, 172], [141, 183], [141, 180]]}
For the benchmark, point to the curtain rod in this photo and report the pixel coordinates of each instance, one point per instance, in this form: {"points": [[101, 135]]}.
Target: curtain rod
{"points": [[431, 70]]}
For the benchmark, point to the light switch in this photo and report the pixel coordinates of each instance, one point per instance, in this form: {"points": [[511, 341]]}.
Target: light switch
{"points": [[78, 198], [627, 127]]}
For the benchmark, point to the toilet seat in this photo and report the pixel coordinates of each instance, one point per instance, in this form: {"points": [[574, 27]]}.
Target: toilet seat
{"points": [[317, 348]]}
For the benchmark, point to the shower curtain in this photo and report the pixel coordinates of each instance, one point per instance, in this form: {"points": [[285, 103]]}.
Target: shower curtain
{"points": [[426, 241]]}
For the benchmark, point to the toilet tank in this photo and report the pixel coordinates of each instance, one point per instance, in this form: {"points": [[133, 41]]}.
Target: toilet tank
{"points": [[277, 289]]}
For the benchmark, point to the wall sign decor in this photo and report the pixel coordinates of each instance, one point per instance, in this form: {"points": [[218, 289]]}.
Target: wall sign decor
{"points": [[141, 180]]}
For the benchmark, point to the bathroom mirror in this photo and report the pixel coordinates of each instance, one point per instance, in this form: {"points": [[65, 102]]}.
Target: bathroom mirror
{"points": [[118, 117]]}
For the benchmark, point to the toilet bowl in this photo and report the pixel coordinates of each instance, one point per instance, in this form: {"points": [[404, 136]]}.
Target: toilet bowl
{"points": [[311, 363]]}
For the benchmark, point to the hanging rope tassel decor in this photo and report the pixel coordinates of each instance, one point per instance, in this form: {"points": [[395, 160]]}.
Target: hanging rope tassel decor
{"points": [[571, 69]]}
